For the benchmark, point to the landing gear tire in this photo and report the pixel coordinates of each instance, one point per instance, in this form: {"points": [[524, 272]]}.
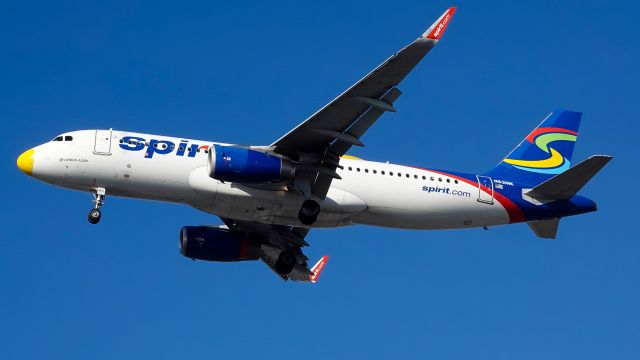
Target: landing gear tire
{"points": [[98, 199], [94, 216], [309, 212], [285, 263]]}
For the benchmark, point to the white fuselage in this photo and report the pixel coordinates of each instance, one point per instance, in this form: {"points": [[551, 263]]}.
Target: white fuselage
{"points": [[371, 193]]}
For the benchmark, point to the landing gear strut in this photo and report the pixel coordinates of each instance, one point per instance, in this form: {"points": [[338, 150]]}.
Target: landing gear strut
{"points": [[95, 214], [285, 263], [309, 212]]}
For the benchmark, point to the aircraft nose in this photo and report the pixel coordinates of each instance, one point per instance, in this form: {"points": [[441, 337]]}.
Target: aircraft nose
{"points": [[25, 162]]}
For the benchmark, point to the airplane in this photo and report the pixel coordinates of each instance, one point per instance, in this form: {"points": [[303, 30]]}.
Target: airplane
{"points": [[269, 197]]}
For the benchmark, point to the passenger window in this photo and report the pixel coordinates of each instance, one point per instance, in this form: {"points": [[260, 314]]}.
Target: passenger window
{"points": [[68, 138], [440, 179], [431, 178], [407, 176], [455, 181], [424, 177], [390, 173], [415, 176], [366, 170], [350, 168], [358, 169], [448, 180], [399, 174], [382, 172], [375, 171]]}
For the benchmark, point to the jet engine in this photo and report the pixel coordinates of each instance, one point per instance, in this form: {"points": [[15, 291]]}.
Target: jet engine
{"points": [[243, 165], [217, 244]]}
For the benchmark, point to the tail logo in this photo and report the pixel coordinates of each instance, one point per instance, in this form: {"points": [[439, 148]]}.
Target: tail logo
{"points": [[542, 137]]}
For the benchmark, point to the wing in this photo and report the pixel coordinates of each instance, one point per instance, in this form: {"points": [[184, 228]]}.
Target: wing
{"points": [[320, 140], [276, 239]]}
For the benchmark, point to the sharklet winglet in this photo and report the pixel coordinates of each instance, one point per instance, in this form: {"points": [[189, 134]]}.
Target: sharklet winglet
{"points": [[316, 270], [435, 31]]}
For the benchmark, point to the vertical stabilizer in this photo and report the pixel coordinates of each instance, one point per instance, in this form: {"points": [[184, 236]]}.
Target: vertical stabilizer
{"points": [[545, 152]]}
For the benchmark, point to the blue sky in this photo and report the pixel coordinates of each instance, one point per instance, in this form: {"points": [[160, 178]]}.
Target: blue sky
{"points": [[247, 74]]}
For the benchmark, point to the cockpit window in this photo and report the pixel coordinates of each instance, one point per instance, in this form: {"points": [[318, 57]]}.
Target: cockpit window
{"points": [[68, 138], [59, 138]]}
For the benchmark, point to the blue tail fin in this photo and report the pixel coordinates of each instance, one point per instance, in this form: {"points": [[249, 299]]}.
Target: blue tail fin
{"points": [[545, 152]]}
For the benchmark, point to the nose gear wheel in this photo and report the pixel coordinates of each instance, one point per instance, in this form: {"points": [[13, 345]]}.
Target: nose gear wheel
{"points": [[95, 214]]}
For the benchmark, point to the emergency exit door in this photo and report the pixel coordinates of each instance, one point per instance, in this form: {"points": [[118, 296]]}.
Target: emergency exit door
{"points": [[485, 189]]}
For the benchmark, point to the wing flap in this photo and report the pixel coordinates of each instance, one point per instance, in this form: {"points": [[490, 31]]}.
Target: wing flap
{"points": [[364, 122]]}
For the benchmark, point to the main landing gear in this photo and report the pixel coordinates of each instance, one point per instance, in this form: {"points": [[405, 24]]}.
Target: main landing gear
{"points": [[309, 212], [95, 213]]}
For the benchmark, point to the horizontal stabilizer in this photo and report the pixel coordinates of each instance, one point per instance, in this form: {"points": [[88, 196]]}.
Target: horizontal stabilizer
{"points": [[545, 229], [566, 184]]}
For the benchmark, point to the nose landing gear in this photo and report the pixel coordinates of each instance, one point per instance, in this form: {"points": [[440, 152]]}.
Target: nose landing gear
{"points": [[95, 214]]}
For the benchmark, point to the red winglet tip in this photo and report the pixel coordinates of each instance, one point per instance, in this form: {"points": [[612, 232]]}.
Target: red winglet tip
{"points": [[437, 29], [317, 269]]}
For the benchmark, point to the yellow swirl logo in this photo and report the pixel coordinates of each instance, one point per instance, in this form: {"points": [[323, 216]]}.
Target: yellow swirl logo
{"points": [[542, 137]]}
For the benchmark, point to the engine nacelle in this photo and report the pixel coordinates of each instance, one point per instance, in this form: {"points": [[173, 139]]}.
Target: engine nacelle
{"points": [[235, 164], [217, 244]]}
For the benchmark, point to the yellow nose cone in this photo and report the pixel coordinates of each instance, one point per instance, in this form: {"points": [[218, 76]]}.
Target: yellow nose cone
{"points": [[25, 162]]}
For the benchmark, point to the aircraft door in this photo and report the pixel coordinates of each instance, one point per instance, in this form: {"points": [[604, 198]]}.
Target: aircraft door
{"points": [[102, 144], [485, 189]]}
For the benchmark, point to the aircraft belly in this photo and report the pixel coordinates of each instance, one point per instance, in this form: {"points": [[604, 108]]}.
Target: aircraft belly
{"points": [[405, 203], [242, 202], [425, 219]]}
